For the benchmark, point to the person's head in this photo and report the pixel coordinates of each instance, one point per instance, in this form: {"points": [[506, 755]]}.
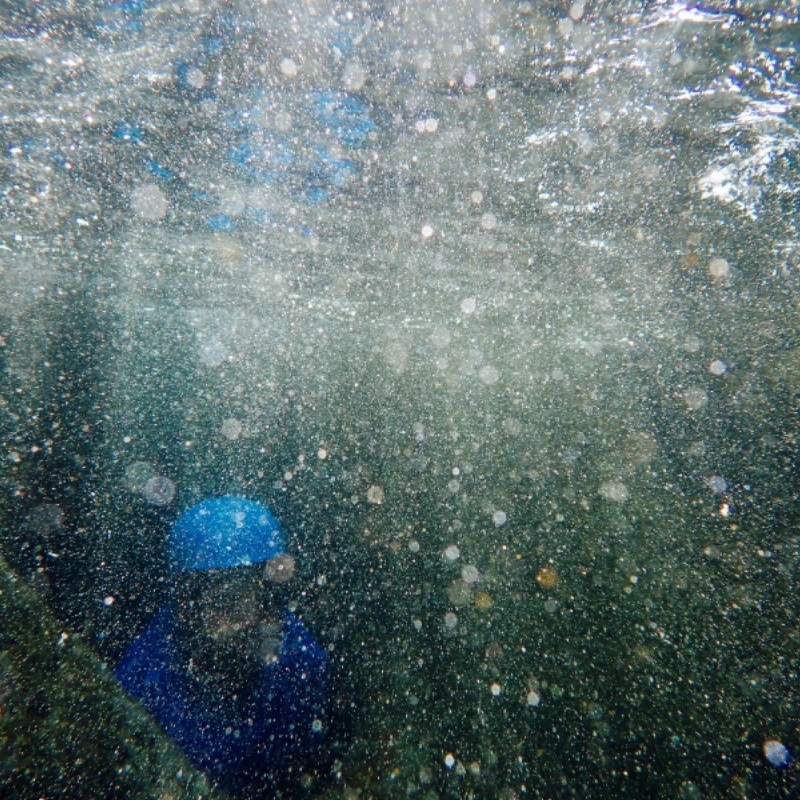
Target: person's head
{"points": [[228, 562]]}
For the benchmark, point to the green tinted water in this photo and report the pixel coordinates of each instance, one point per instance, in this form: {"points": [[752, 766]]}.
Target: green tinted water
{"points": [[522, 389]]}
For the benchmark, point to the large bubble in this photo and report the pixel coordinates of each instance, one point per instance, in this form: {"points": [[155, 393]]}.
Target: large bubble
{"points": [[159, 490]]}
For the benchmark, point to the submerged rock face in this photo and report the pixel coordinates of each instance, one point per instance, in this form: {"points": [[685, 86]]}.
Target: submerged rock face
{"points": [[66, 727]]}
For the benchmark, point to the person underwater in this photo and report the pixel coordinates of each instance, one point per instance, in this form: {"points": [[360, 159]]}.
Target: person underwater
{"points": [[232, 676]]}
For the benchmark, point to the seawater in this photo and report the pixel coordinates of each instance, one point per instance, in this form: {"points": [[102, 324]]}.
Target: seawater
{"points": [[494, 304]]}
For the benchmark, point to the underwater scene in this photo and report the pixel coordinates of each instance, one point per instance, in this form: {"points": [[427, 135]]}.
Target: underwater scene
{"points": [[400, 399]]}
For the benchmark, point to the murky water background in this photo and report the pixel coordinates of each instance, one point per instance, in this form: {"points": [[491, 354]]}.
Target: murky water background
{"points": [[495, 304]]}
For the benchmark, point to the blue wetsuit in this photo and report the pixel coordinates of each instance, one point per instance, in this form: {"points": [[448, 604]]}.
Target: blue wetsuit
{"points": [[283, 722]]}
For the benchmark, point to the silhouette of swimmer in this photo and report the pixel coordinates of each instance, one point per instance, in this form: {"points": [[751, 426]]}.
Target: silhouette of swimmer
{"points": [[231, 675]]}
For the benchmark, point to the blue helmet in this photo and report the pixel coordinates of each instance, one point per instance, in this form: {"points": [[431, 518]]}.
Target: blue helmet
{"points": [[224, 532]]}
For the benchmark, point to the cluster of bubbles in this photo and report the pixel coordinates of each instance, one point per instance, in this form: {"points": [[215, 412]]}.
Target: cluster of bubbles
{"points": [[156, 489]]}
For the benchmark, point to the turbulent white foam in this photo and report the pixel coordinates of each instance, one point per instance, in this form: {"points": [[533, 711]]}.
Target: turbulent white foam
{"points": [[681, 12], [742, 174]]}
